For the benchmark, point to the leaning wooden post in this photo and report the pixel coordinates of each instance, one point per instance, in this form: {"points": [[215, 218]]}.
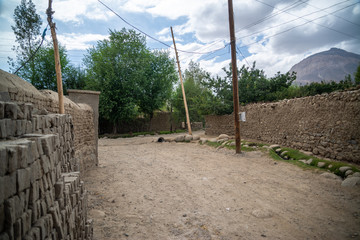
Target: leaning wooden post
{"points": [[49, 13], [182, 85]]}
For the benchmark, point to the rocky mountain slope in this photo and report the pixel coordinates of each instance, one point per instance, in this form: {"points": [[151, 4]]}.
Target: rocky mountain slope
{"points": [[333, 64]]}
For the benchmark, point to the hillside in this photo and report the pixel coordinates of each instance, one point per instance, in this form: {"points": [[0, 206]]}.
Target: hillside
{"points": [[333, 64]]}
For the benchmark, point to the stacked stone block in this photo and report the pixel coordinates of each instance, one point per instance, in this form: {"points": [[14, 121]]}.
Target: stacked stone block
{"points": [[40, 195]]}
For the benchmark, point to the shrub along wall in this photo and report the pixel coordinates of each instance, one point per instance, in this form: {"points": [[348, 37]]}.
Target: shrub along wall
{"points": [[327, 124]]}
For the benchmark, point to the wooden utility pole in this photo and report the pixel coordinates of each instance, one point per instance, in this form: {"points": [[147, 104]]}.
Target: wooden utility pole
{"points": [[234, 77], [182, 85], [49, 13]]}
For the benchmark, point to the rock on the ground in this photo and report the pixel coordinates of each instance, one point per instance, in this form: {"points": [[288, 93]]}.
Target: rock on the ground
{"points": [[331, 176], [274, 146], [188, 138], [232, 144], [308, 162], [223, 136], [350, 182], [344, 169], [180, 138], [348, 172], [321, 164], [278, 150], [283, 153], [357, 174], [303, 161], [97, 213], [196, 137], [203, 140]]}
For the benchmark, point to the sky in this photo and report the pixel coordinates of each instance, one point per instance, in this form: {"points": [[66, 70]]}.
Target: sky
{"points": [[276, 34]]}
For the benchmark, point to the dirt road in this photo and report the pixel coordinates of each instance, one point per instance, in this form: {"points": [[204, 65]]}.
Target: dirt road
{"points": [[149, 190]]}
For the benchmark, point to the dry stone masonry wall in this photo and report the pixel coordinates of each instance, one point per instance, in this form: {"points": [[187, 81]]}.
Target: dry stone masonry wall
{"points": [[41, 194], [45, 102], [327, 125]]}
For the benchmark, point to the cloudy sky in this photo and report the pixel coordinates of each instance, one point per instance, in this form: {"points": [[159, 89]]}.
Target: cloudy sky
{"points": [[275, 33]]}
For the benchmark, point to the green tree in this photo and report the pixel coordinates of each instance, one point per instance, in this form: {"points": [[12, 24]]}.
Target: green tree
{"points": [[156, 86], [44, 68], [357, 75], [131, 78], [198, 96], [27, 33]]}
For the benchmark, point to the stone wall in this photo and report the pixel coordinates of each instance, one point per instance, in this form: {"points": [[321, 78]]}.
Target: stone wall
{"points": [[327, 124], [41, 197], [46, 101]]}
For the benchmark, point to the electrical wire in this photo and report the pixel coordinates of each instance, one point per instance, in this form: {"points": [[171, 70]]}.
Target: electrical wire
{"points": [[37, 49], [264, 30], [312, 21], [243, 56], [148, 35]]}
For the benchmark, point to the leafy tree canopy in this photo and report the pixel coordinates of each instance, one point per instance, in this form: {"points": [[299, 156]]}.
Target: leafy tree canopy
{"points": [[131, 78], [27, 33]]}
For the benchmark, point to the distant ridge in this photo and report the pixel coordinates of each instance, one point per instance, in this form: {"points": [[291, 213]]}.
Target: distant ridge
{"points": [[331, 65]]}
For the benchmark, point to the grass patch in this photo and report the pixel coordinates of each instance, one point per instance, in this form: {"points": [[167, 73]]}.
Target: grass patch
{"points": [[295, 155]]}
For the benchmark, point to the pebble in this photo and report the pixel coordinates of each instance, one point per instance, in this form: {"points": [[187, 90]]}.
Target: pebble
{"points": [[274, 146], [331, 176], [344, 169], [348, 172], [321, 164], [308, 162]]}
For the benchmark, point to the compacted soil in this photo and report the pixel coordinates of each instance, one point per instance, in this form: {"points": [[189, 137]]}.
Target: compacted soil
{"points": [[143, 189]]}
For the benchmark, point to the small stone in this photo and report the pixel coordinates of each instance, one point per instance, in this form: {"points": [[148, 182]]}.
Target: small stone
{"points": [[196, 137], [344, 169], [321, 164], [331, 176], [223, 136], [278, 150], [263, 235], [180, 138], [188, 138], [184, 215], [348, 172], [303, 161], [284, 153], [330, 166], [308, 162], [274, 146], [350, 182], [356, 174]]}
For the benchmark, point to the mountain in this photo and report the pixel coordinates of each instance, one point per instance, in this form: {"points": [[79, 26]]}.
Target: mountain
{"points": [[333, 64]]}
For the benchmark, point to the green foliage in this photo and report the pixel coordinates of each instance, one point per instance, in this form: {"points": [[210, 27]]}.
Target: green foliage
{"points": [[357, 76], [131, 78], [27, 33], [198, 96]]}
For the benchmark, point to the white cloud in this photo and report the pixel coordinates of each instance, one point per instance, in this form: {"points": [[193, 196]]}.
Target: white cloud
{"points": [[74, 41]]}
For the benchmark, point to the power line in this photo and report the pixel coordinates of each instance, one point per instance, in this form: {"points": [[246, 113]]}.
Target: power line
{"points": [[243, 56], [346, 20], [264, 30], [42, 40], [312, 21], [148, 35]]}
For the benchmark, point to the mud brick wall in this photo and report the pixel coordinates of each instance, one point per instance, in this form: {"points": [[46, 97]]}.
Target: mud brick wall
{"points": [[328, 125], [40, 195], [45, 102]]}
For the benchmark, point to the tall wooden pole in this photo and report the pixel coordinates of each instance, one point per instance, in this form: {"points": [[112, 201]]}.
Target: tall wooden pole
{"points": [[234, 77], [49, 13], [182, 85]]}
